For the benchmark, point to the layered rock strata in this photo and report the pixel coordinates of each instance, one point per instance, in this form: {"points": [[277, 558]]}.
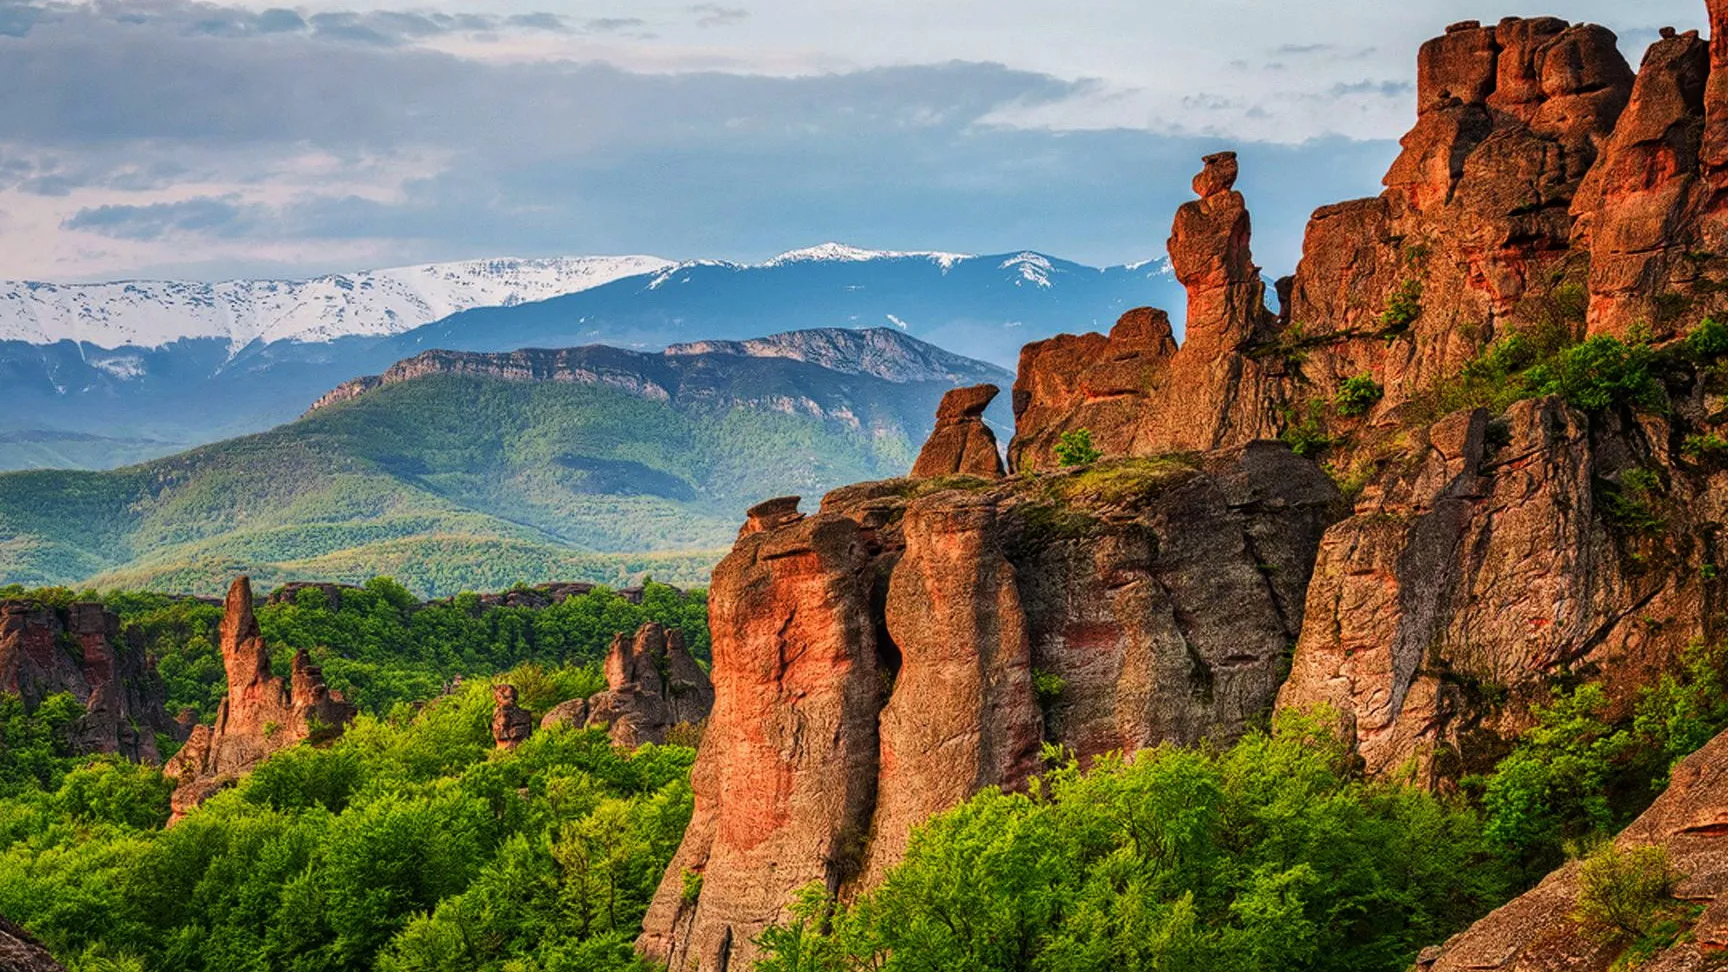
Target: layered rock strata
{"points": [[260, 715], [80, 650], [874, 662]]}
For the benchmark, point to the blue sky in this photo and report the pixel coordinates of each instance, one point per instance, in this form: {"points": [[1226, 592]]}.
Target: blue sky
{"points": [[170, 138]]}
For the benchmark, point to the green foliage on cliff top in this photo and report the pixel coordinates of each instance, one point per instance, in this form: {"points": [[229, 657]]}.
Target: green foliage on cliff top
{"points": [[410, 845], [1266, 856], [450, 483]]}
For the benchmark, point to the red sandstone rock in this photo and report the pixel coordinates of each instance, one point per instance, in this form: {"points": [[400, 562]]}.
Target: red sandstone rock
{"points": [[961, 444], [107, 673], [1536, 933], [573, 713], [260, 714], [873, 662], [653, 684], [511, 724]]}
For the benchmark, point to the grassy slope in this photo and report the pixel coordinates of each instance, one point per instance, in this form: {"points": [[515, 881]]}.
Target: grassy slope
{"points": [[445, 482]]}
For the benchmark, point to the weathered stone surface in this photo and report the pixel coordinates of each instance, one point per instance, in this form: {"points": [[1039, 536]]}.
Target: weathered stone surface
{"points": [[873, 662], [961, 444], [1473, 573], [573, 713], [80, 650], [1632, 206], [1135, 391], [1535, 933], [653, 685], [511, 724], [786, 775], [19, 952], [260, 714]]}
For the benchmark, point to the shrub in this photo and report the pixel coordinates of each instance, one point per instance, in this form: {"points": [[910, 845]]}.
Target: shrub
{"points": [[1047, 686], [1357, 395], [1625, 895], [1305, 435], [1601, 373], [1075, 448], [1705, 444], [1403, 306], [1708, 340]]}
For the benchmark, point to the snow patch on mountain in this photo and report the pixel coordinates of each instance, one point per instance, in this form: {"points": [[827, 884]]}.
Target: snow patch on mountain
{"points": [[151, 314], [840, 252]]}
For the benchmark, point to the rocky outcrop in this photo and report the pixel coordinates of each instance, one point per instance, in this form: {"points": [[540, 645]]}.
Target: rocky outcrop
{"points": [[511, 724], [261, 713], [1135, 391], [571, 713], [1496, 555], [961, 443], [80, 650], [21, 953], [874, 662], [653, 684], [1536, 933]]}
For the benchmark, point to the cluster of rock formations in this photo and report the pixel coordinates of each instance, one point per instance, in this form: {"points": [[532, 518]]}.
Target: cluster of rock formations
{"points": [[261, 714], [80, 650], [917, 640], [882, 659], [653, 685]]}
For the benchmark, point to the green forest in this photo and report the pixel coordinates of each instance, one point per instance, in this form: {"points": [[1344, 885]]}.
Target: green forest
{"points": [[454, 483], [411, 843]]}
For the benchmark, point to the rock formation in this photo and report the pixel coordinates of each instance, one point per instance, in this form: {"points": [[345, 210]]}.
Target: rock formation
{"points": [[653, 684], [260, 714], [1496, 556], [1135, 391], [1535, 933], [572, 713], [961, 443], [511, 724], [80, 650], [21, 953], [874, 662]]}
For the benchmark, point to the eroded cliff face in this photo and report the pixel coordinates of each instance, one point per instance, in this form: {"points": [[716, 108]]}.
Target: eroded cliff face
{"points": [[80, 650], [1536, 933], [260, 714], [875, 662]]}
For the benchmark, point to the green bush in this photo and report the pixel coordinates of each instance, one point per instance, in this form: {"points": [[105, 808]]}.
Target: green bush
{"points": [[1601, 373], [1403, 306], [1075, 448], [1708, 340], [1305, 434], [1268, 856], [1357, 395], [1625, 894]]}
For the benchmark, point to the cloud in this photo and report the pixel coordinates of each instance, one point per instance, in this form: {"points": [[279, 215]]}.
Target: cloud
{"points": [[208, 216], [714, 15]]}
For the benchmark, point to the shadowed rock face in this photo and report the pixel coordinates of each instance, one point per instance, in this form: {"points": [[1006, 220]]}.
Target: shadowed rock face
{"points": [[961, 443], [873, 661], [80, 651], [21, 953], [1535, 933], [260, 714]]}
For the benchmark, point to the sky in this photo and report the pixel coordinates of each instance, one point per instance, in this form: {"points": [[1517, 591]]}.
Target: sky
{"points": [[168, 138]]}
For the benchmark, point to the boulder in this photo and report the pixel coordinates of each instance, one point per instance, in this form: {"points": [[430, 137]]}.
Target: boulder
{"points": [[961, 444], [19, 952], [653, 684]]}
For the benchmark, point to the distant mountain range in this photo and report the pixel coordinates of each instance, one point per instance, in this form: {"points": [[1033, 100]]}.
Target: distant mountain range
{"points": [[460, 470], [144, 369]]}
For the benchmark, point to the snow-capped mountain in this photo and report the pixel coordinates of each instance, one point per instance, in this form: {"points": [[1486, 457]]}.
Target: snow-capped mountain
{"points": [[152, 313], [162, 366]]}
